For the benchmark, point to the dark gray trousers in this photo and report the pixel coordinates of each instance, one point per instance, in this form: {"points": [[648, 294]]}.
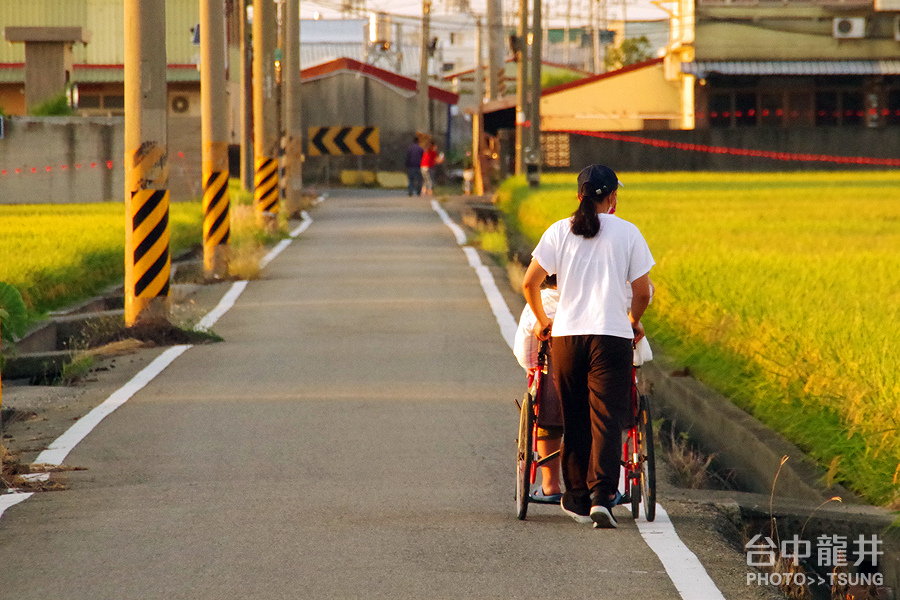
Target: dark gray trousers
{"points": [[593, 374]]}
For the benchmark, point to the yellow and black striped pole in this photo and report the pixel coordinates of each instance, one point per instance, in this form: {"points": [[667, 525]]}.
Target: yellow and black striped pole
{"points": [[266, 185], [216, 222], [266, 137], [213, 119], [147, 260]]}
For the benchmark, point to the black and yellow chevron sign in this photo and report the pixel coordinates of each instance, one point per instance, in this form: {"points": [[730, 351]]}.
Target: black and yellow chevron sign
{"points": [[343, 140]]}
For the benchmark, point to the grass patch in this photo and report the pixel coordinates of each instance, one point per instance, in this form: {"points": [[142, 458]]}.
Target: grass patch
{"points": [[84, 254], [60, 253], [77, 370], [778, 289]]}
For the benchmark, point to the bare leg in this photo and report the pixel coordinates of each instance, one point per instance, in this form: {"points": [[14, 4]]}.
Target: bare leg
{"points": [[550, 470]]}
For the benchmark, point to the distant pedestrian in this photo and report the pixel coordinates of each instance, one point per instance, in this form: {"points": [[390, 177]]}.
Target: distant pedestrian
{"points": [[414, 167], [430, 158]]}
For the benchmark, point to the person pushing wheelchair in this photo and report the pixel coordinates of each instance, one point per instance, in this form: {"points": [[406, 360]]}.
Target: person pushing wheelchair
{"points": [[596, 257]]}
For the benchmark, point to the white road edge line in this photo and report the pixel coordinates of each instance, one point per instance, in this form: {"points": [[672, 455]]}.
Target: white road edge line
{"points": [[8, 500], [223, 307], [57, 451], [683, 567], [279, 248], [456, 229]]}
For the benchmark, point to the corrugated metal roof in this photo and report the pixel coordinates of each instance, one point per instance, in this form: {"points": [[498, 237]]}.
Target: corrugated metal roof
{"points": [[702, 68]]}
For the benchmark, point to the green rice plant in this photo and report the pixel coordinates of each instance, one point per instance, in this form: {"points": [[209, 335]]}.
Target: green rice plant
{"points": [[494, 242], [56, 254], [778, 289], [13, 313]]}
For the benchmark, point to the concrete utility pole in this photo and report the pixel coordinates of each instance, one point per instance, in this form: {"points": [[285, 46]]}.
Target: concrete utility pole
{"points": [[266, 137], [214, 132], [290, 90], [478, 115], [246, 101], [424, 113], [496, 45], [534, 159], [521, 86], [147, 259], [398, 50], [592, 27]]}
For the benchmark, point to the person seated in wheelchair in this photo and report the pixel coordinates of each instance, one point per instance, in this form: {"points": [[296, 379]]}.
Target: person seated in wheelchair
{"points": [[550, 423]]}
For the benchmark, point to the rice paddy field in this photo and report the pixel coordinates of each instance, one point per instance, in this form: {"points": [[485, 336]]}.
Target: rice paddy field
{"points": [[781, 290], [57, 254]]}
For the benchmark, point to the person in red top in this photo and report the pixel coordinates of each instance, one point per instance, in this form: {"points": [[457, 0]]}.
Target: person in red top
{"points": [[429, 160]]}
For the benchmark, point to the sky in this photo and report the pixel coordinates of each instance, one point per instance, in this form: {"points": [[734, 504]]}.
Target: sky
{"points": [[634, 9]]}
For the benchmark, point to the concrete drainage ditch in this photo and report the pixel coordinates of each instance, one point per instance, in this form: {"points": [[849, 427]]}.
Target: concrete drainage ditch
{"points": [[43, 353], [782, 506]]}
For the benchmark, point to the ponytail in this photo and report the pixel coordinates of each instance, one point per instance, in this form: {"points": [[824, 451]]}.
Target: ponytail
{"points": [[585, 221]]}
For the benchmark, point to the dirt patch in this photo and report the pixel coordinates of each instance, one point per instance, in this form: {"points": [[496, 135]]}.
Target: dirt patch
{"points": [[144, 333], [31, 477]]}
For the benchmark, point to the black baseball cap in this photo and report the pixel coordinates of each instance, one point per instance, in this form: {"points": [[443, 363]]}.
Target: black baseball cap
{"points": [[598, 181]]}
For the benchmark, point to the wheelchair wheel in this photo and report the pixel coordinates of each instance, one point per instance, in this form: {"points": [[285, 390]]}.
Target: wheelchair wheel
{"points": [[633, 483], [648, 465], [524, 455]]}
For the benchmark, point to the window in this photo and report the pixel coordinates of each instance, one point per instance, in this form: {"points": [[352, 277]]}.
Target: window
{"points": [[853, 108], [447, 67], [719, 110], [88, 101], [893, 108], [745, 109], [799, 110], [828, 111], [804, 107], [113, 101], [771, 113], [835, 107]]}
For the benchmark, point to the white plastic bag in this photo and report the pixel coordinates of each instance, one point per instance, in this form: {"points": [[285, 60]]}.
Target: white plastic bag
{"points": [[642, 352]]}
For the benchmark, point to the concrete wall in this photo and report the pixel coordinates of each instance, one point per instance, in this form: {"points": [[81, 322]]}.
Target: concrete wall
{"points": [[835, 141], [47, 152], [756, 32], [351, 99]]}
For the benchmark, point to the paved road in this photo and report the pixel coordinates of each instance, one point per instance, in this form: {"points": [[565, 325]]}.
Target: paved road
{"points": [[353, 437]]}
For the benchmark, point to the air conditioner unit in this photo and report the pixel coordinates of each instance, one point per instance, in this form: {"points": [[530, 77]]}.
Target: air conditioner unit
{"points": [[849, 27], [887, 4], [180, 104]]}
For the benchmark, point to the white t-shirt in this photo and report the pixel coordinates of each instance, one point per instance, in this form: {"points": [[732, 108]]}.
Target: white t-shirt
{"points": [[593, 275]]}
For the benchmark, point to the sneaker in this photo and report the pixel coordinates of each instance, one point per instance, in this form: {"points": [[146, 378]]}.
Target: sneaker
{"points": [[601, 513], [580, 513]]}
